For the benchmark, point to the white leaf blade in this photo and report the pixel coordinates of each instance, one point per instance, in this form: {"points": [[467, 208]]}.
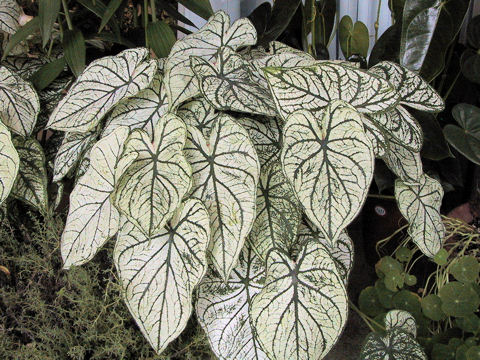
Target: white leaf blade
{"points": [[198, 113], [401, 319], [9, 163], [403, 162], [9, 15]]}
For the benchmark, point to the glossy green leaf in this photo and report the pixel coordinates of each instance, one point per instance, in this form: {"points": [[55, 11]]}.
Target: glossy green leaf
{"points": [[408, 301], [313, 149], [465, 269], [469, 324], [9, 163], [458, 299], [225, 177], [75, 51], [153, 185], [369, 303], [92, 219], [160, 38], [47, 11], [301, 310], [420, 205], [432, 307], [159, 274], [103, 84]]}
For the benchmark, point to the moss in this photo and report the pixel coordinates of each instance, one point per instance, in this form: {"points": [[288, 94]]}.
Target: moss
{"points": [[49, 313]]}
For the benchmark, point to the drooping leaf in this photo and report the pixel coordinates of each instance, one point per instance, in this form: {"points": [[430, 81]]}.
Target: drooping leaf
{"points": [[153, 185], [141, 111], [377, 136], [9, 15], [395, 345], [48, 12], [265, 136], [159, 274], [282, 13], [403, 162], [198, 113], [342, 252], [19, 105], [225, 178], [92, 219], [309, 88], [401, 319], [24, 66], [180, 80], [9, 163], [230, 86], [414, 90], [110, 10], [103, 84], [75, 51], [278, 213], [400, 125], [301, 310], [73, 146], [329, 161], [222, 309], [47, 73], [31, 183], [420, 205]]}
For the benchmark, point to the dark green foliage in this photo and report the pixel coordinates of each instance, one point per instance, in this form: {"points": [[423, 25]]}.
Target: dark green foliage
{"points": [[48, 313]]}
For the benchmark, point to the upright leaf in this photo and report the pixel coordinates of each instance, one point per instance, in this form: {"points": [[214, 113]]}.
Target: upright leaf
{"points": [[75, 51], [282, 13], [301, 310], [9, 163], [19, 105], [159, 274], [103, 84], [309, 88], [230, 86], [153, 185], [31, 183], [278, 213], [160, 38], [222, 309], [9, 15], [180, 80], [47, 11], [420, 205], [225, 178], [329, 161], [92, 219]]}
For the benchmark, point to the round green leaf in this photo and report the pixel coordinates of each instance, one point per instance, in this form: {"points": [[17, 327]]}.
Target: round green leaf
{"points": [[458, 299], [384, 295], [469, 324], [368, 302], [410, 280], [403, 254], [394, 280], [465, 269], [432, 307], [408, 301], [441, 257], [388, 264], [473, 353], [443, 352]]}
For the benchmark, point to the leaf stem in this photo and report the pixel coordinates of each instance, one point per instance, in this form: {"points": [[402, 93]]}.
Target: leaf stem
{"points": [[154, 10], [67, 15], [377, 22]]}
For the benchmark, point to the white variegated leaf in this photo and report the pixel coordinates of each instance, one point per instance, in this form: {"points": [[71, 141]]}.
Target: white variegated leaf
{"points": [[278, 213], [312, 88], [400, 125], [31, 183], [401, 319], [342, 253], [265, 136], [92, 219], [73, 147], [198, 113], [302, 309], [141, 111], [153, 185], [9, 16], [329, 161], [9, 163], [420, 205], [414, 91], [49, 99], [102, 85], [24, 66], [403, 162], [225, 178], [181, 82], [229, 84], [277, 47], [159, 274], [222, 309], [377, 136], [394, 345], [19, 103]]}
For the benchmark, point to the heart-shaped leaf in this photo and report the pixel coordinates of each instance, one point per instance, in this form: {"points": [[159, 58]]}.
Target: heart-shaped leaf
{"points": [[353, 38], [19, 105], [301, 310], [230, 86], [102, 85], [309, 88], [9, 163], [222, 309], [9, 15], [181, 82], [420, 205], [329, 161], [401, 319], [278, 213], [141, 111], [153, 185], [31, 182], [92, 219], [225, 178], [198, 113], [159, 274], [414, 90]]}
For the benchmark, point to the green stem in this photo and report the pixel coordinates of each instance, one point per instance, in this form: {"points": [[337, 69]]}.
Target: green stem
{"points": [[451, 86], [384, 197], [67, 15], [377, 23], [368, 320], [154, 10], [145, 20]]}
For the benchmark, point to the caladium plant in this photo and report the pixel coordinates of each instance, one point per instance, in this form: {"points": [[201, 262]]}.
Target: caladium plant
{"points": [[228, 174]]}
